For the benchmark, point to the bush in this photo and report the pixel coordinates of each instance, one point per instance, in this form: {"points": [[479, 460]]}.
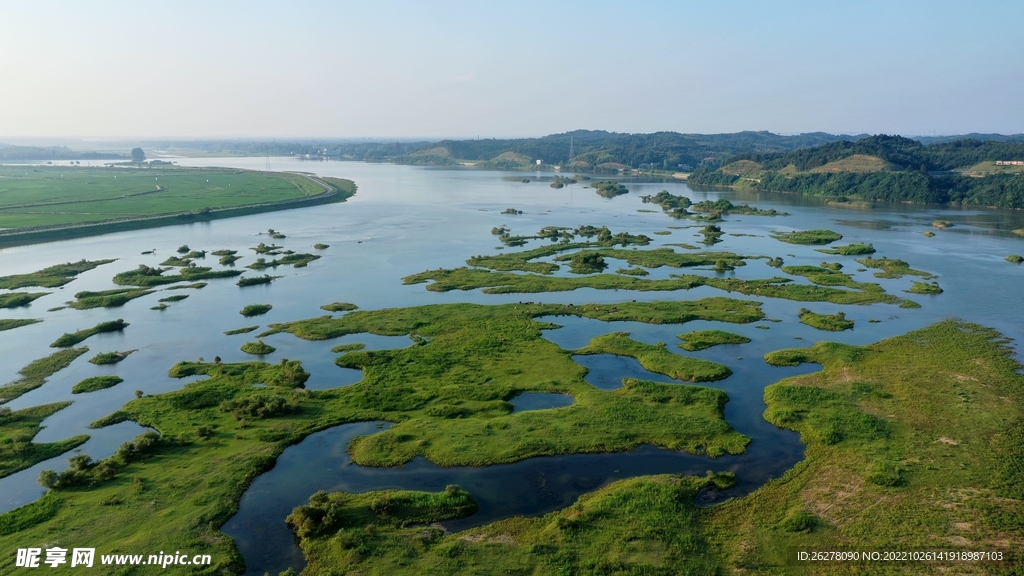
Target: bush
{"points": [[885, 473], [259, 406], [798, 521]]}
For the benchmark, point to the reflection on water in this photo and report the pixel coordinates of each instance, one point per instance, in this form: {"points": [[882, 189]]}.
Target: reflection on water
{"points": [[540, 401]]}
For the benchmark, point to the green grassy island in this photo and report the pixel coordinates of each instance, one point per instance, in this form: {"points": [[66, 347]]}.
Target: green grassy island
{"points": [[106, 299], [849, 250], [96, 383], [36, 372], [70, 339], [258, 348], [146, 276], [12, 323], [56, 202], [702, 339], [807, 237], [657, 359], [110, 357], [1015, 258], [832, 322], [18, 451], [251, 310], [19, 299], [243, 330], [339, 307], [256, 280], [51, 277]]}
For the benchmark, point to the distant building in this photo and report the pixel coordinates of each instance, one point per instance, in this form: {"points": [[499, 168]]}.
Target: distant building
{"points": [[1009, 162], [539, 162]]}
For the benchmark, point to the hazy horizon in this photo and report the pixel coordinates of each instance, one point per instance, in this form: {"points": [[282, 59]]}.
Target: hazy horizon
{"points": [[113, 71]]}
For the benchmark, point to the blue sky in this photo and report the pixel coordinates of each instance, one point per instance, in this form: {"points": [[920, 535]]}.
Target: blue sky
{"points": [[459, 69]]}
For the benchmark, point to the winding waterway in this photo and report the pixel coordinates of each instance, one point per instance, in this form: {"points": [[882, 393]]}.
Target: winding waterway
{"points": [[405, 220]]}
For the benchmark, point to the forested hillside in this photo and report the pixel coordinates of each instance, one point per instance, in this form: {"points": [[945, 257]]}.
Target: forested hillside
{"points": [[886, 168]]}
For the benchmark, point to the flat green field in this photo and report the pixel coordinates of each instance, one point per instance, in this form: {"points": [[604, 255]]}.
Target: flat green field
{"points": [[46, 197]]}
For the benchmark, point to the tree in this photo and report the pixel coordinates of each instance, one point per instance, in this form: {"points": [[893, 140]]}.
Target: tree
{"points": [[138, 155]]}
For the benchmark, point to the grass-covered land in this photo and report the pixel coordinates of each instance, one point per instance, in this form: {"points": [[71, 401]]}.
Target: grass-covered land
{"points": [[251, 310], [106, 299], [832, 322], [321, 246], [174, 489], [657, 358], [332, 526], [17, 428], [12, 323], [702, 339], [294, 260], [52, 276], [19, 299], [849, 250], [646, 525], [609, 188], [72, 338], [146, 276], [175, 298], [258, 348], [229, 259], [61, 201], [1015, 258], [348, 347], [36, 372], [242, 330], [95, 383], [339, 307], [193, 286], [892, 268], [104, 358], [256, 280], [778, 287], [925, 288], [808, 237], [677, 207], [912, 443]]}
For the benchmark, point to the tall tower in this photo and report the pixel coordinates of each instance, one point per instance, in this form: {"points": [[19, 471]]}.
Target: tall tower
{"points": [[572, 150]]}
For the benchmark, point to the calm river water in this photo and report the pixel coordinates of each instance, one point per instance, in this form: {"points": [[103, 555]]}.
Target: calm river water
{"points": [[405, 220]]}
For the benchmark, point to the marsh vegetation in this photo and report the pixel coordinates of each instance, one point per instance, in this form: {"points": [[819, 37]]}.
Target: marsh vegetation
{"points": [[72, 338]]}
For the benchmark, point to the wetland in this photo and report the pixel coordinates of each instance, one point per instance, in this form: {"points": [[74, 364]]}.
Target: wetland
{"points": [[553, 399]]}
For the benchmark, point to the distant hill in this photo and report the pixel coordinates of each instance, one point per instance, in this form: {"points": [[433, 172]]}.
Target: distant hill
{"points": [[11, 153], [966, 171]]}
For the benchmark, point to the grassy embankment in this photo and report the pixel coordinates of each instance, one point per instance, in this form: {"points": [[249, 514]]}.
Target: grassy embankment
{"points": [[72, 338], [48, 203], [912, 443], [703, 339], [50, 277], [657, 358], [831, 322], [174, 490], [95, 383], [12, 323], [18, 427], [36, 372]]}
